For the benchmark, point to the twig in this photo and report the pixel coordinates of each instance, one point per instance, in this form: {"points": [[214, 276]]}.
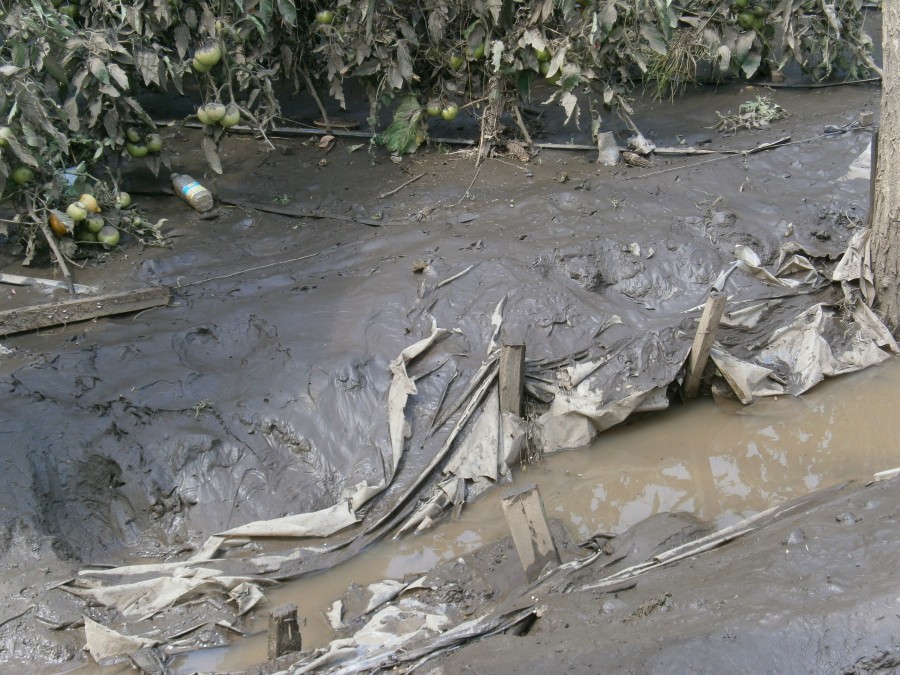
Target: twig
{"points": [[455, 276], [245, 271], [466, 193], [59, 258], [300, 213], [400, 187]]}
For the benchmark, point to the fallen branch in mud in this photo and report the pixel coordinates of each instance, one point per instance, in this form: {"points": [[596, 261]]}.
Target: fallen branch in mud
{"points": [[300, 213], [781, 142], [71, 311]]}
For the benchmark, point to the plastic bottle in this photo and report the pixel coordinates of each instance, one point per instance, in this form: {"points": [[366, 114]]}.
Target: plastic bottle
{"points": [[192, 192]]}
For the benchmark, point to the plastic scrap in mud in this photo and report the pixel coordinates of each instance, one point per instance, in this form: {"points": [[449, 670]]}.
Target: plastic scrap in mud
{"points": [[594, 387]]}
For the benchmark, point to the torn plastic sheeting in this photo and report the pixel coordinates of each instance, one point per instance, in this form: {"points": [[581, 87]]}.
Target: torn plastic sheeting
{"points": [[327, 521], [142, 599], [447, 493], [575, 418], [745, 379], [316, 524], [748, 317], [748, 261], [105, 643], [389, 630], [804, 349], [478, 454], [856, 265]]}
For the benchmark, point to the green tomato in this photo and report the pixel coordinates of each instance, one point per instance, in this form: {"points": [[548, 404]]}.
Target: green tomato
{"points": [[85, 235], [745, 20], [214, 112], [741, 4], [433, 108], [477, 53], [123, 200], [133, 135], [456, 61], [108, 236], [94, 223], [208, 54], [137, 149], [232, 116], [6, 135], [22, 175], [200, 67], [760, 11], [154, 143], [450, 111], [325, 17], [77, 211], [542, 54]]}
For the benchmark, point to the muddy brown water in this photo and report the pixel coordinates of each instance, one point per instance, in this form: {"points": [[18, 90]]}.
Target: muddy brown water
{"points": [[721, 462]]}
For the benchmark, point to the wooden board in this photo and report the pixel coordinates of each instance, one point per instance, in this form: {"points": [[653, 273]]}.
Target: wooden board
{"points": [[64, 312], [524, 511]]}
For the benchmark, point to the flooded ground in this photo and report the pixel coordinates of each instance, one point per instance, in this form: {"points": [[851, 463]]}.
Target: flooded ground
{"points": [[259, 392], [720, 462]]}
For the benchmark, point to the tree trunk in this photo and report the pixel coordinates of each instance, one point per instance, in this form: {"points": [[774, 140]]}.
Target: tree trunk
{"points": [[886, 210]]}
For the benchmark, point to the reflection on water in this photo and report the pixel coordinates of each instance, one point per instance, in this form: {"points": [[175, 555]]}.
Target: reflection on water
{"points": [[720, 462]]}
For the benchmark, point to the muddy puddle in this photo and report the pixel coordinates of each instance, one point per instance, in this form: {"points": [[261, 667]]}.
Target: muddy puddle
{"points": [[720, 462]]}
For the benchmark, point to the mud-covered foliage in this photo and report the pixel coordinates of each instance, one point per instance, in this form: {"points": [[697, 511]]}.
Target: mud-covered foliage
{"points": [[73, 71]]}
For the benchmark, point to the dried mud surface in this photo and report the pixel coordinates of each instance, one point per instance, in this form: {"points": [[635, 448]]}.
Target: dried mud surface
{"points": [[259, 391]]}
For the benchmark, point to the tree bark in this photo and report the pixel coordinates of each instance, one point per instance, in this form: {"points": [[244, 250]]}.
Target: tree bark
{"points": [[886, 209]]}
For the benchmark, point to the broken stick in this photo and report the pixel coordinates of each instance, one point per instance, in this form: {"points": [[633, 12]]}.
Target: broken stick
{"points": [[524, 511], [284, 631], [81, 309], [703, 341]]}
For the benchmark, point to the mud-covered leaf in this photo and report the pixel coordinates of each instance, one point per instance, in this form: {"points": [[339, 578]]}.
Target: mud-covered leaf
{"points": [[22, 153], [182, 39], [211, 152], [98, 69], [654, 38], [404, 62], [288, 12]]}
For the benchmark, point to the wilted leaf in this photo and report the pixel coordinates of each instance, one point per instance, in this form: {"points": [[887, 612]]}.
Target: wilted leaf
{"points": [[404, 62], [750, 64], [182, 39], [437, 23], [496, 54], [98, 69], [212, 154], [569, 102], [147, 63], [654, 38], [288, 11], [22, 153]]}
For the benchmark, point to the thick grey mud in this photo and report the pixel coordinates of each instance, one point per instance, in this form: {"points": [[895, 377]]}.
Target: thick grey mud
{"points": [[260, 392]]}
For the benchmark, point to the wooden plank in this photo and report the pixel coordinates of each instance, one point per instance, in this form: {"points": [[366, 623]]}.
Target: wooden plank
{"points": [[81, 309], [512, 378], [524, 511], [284, 631], [703, 341]]}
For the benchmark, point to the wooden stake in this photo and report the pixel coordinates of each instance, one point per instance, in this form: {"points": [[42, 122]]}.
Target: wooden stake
{"points": [[284, 631], [524, 511], [703, 340], [512, 378], [81, 309]]}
